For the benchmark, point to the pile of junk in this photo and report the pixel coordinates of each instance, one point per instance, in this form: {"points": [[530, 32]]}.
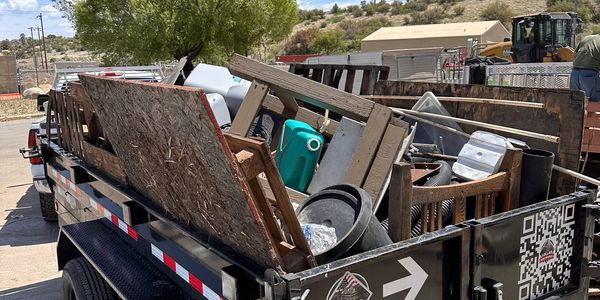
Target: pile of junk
{"points": [[452, 176]]}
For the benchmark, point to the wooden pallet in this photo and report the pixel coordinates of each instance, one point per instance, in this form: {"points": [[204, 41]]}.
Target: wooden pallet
{"points": [[331, 75], [80, 133]]}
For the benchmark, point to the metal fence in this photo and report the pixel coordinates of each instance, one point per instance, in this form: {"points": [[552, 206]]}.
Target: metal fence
{"points": [[534, 75]]}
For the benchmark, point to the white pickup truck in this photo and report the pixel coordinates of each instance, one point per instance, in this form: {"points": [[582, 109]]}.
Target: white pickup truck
{"points": [[38, 127]]}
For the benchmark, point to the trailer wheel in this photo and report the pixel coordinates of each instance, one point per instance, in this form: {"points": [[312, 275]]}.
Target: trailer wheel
{"points": [[82, 281], [48, 208]]}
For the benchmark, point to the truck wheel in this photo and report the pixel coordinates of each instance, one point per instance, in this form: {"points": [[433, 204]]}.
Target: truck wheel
{"points": [[82, 281], [48, 208]]}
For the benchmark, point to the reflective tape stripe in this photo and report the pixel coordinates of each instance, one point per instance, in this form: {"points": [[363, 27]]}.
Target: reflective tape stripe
{"points": [[184, 274], [71, 185]]}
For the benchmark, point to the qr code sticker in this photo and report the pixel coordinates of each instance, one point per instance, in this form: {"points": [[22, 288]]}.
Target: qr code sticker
{"points": [[546, 247]]}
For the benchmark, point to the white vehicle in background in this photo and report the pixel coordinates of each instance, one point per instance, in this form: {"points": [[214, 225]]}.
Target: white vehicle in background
{"points": [[142, 73], [37, 131]]}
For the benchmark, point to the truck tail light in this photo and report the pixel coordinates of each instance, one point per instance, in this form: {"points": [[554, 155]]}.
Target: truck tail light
{"points": [[32, 142]]}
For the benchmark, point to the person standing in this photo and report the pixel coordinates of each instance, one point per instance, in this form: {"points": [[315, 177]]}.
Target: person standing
{"points": [[585, 75]]}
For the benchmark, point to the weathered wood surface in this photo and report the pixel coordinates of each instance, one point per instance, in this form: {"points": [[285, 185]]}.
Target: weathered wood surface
{"points": [[562, 115], [377, 179], [301, 88], [433, 194], [175, 154], [104, 161], [365, 151], [331, 74], [400, 203]]}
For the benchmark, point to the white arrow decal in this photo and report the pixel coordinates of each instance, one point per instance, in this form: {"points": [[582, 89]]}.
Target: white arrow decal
{"points": [[414, 281]]}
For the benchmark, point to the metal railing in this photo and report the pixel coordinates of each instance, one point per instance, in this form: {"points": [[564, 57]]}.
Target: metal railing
{"points": [[534, 75]]}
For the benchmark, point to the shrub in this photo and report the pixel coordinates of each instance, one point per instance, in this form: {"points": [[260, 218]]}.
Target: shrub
{"points": [[432, 15], [594, 28], [587, 11], [498, 11], [396, 8], [383, 7], [329, 42], [370, 9], [414, 6], [354, 31], [301, 42], [312, 15], [335, 19], [459, 10], [355, 10], [447, 1]]}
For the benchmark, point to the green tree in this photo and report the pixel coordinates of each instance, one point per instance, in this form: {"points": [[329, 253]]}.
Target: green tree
{"points": [[329, 42], [5, 44], [146, 31], [66, 7], [335, 9]]}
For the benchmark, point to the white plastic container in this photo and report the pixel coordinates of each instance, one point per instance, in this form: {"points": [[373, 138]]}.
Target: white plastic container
{"points": [[219, 109], [481, 156], [214, 79], [449, 142]]}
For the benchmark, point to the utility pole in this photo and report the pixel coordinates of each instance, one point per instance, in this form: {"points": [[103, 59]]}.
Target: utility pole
{"points": [[43, 41], [37, 79]]}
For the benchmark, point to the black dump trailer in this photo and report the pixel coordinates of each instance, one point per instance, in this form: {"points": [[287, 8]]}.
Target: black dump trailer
{"points": [[114, 242]]}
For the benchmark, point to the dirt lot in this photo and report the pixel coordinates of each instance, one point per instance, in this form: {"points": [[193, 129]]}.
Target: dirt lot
{"points": [[27, 243], [17, 107]]}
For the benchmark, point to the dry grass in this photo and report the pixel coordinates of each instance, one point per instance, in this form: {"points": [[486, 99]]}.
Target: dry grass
{"points": [[17, 107]]}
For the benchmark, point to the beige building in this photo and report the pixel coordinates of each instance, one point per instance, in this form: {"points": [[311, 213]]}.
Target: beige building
{"points": [[434, 35]]}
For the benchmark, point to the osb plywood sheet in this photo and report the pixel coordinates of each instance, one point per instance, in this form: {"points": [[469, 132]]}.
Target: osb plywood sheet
{"points": [[175, 154]]}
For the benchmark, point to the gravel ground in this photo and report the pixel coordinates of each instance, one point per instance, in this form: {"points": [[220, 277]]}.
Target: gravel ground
{"points": [[17, 107]]}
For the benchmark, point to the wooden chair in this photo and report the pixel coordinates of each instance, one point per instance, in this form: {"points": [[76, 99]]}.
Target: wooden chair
{"points": [[502, 186]]}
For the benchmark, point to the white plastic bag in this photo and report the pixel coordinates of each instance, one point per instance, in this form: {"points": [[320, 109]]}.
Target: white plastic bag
{"points": [[320, 238]]}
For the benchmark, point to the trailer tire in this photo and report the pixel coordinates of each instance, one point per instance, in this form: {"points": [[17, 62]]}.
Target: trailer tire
{"points": [[82, 281], [48, 207]]}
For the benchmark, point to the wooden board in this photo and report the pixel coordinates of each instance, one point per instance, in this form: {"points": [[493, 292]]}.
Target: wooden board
{"points": [[377, 179], [363, 155], [174, 153], [301, 88], [305, 115], [562, 115], [104, 161]]}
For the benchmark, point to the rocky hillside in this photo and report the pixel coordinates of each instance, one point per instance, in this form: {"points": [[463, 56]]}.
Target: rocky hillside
{"points": [[339, 30]]}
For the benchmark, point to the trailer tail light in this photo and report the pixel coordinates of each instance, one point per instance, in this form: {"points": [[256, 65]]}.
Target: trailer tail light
{"points": [[31, 143], [110, 74]]}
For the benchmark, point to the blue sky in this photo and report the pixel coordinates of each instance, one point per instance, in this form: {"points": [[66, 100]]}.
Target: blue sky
{"points": [[325, 4], [18, 15]]}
